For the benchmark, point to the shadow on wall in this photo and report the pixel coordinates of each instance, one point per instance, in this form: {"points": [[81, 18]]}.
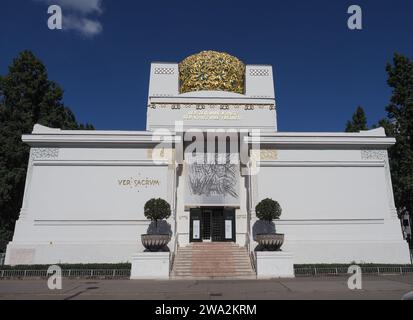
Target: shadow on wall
{"points": [[163, 227]]}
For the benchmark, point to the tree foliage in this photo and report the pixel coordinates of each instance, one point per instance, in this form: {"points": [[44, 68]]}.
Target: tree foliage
{"points": [[358, 121], [157, 209], [400, 125], [268, 210], [5, 236], [27, 97]]}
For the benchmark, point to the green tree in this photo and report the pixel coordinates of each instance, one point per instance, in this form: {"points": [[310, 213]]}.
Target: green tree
{"points": [[358, 121], [27, 97], [268, 210], [5, 237], [400, 125], [157, 209]]}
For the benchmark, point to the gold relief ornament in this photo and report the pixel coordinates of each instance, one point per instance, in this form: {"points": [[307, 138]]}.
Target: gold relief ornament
{"points": [[268, 154], [211, 70], [161, 155], [264, 155]]}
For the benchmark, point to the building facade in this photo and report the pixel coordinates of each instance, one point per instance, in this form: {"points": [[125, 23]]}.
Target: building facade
{"points": [[212, 150]]}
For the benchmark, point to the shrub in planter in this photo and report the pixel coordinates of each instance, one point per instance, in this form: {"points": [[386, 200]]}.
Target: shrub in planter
{"points": [[156, 210], [267, 211]]}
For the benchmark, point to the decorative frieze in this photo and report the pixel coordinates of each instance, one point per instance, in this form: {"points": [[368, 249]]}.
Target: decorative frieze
{"points": [[162, 95], [45, 153], [164, 70], [264, 155], [259, 73], [161, 154], [372, 154], [175, 106], [268, 154]]}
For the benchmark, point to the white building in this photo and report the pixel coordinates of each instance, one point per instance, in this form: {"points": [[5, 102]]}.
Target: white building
{"points": [[85, 190]]}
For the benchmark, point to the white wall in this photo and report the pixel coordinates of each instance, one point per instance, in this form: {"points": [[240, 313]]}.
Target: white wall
{"points": [[88, 192], [337, 206], [85, 205], [326, 192]]}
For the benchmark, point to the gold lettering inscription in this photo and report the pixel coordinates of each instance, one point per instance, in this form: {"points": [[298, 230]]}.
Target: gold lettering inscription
{"points": [[138, 182], [211, 115]]}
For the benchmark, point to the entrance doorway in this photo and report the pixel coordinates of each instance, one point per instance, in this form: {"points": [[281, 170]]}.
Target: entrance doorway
{"points": [[216, 224]]}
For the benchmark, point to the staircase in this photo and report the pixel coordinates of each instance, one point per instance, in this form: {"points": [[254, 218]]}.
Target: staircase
{"points": [[212, 260]]}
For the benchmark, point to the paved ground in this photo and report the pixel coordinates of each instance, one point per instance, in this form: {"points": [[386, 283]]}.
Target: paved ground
{"points": [[384, 287]]}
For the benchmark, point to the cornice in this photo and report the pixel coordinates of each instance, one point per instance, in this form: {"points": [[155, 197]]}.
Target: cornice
{"points": [[95, 139], [323, 140]]}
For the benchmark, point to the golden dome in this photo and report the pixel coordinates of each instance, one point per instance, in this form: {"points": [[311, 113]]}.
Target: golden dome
{"points": [[211, 70]]}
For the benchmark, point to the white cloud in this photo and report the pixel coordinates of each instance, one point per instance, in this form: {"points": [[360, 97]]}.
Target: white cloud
{"points": [[82, 6], [83, 25], [76, 15]]}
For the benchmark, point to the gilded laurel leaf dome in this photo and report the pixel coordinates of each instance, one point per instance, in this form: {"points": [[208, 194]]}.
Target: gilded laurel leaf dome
{"points": [[211, 70]]}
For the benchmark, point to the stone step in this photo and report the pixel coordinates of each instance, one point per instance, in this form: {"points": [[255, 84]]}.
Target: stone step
{"points": [[211, 251], [207, 252], [211, 261], [221, 253], [208, 271], [214, 261], [211, 254], [224, 273], [212, 257], [221, 267], [211, 247], [214, 276]]}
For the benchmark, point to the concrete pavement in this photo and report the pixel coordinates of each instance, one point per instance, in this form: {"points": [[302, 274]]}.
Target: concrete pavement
{"points": [[374, 287]]}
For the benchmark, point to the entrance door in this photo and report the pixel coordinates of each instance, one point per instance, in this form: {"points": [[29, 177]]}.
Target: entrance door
{"points": [[212, 224], [207, 217], [218, 225]]}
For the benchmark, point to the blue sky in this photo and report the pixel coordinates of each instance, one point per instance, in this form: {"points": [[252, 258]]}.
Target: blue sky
{"points": [[322, 69]]}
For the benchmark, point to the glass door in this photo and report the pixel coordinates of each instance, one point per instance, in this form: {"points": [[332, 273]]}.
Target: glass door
{"points": [[207, 216], [218, 225]]}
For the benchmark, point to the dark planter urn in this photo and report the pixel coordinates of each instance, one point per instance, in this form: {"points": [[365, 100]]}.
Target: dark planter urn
{"points": [[270, 241], [155, 242]]}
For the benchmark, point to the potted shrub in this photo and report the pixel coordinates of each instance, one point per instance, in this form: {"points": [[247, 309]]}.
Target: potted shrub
{"points": [[267, 211], [156, 210]]}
